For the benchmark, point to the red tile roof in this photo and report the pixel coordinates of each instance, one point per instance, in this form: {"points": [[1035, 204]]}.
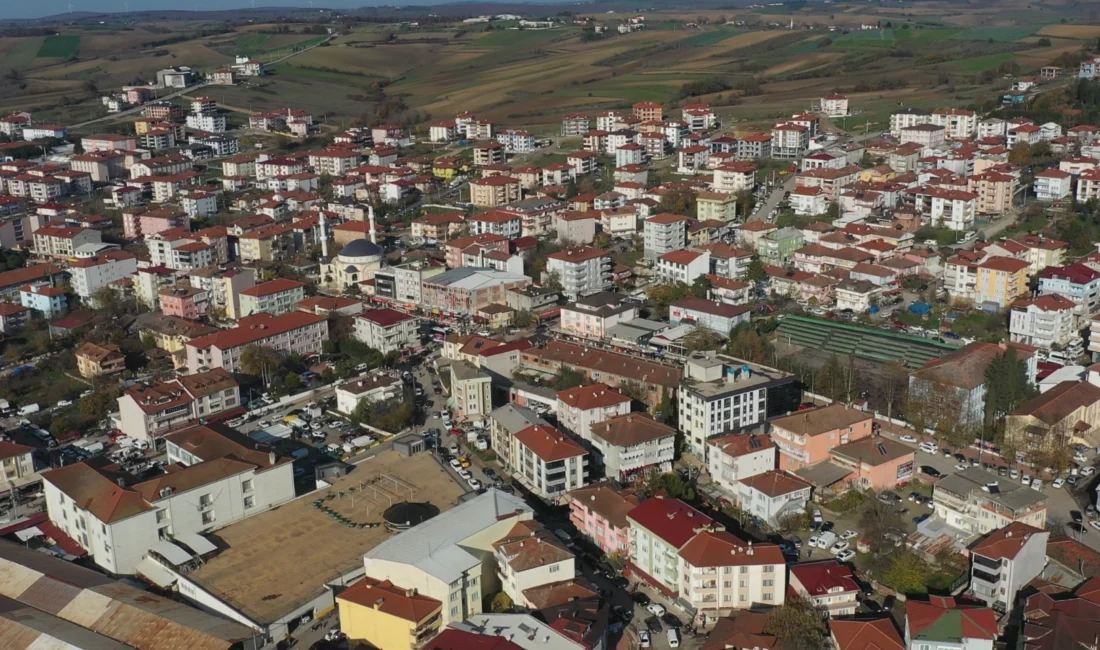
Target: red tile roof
{"points": [[385, 317], [877, 634], [977, 622], [388, 598], [672, 520], [548, 443], [254, 328], [776, 483], [277, 285], [819, 578], [721, 548], [592, 397], [1006, 542]]}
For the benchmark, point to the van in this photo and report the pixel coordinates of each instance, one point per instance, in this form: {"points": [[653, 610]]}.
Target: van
{"points": [[29, 408], [825, 540], [673, 637]]}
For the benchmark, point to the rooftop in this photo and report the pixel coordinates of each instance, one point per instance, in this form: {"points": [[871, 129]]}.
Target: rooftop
{"points": [[672, 520], [631, 429], [548, 443], [390, 599], [821, 420], [592, 396]]}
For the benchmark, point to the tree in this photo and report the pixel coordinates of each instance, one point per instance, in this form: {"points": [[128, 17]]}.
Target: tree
{"points": [[907, 574], [502, 602], [523, 319], [665, 294], [258, 360], [678, 201], [746, 343], [552, 281], [798, 625], [757, 271], [1020, 154], [701, 287], [292, 382], [893, 381], [671, 484], [702, 338], [1006, 385], [570, 378]]}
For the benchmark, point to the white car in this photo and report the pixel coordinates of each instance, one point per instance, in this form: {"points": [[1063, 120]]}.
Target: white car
{"points": [[1025, 479], [657, 609], [961, 466], [1058, 482], [643, 638], [848, 534], [465, 473], [908, 438], [1014, 473], [473, 483], [844, 556], [1037, 485], [673, 637], [456, 465], [453, 449], [813, 541], [928, 447], [65, 402], [1095, 523], [838, 547], [1088, 471]]}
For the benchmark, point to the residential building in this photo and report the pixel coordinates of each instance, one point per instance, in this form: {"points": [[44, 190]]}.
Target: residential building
{"points": [[1047, 322], [650, 380], [659, 528], [548, 462], [47, 300], [789, 140], [865, 634], [600, 513], [275, 297], [723, 573], [1078, 282], [736, 457], [807, 437], [63, 241], [875, 463], [582, 270], [957, 122], [964, 502], [220, 476], [592, 316], [464, 535], [828, 585], [1000, 281], [1057, 418], [471, 392], [944, 623], [1054, 621], [462, 291], [683, 266], [16, 464], [856, 295], [774, 495], [224, 286], [370, 389], [834, 105], [94, 360], [1052, 185], [386, 330], [296, 332], [720, 394], [184, 301], [530, 557], [497, 223], [1004, 562], [664, 233], [995, 191], [582, 407], [90, 275], [505, 422], [958, 379], [13, 317], [147, 412], [494, 191], [386, 616], [632, 445]]}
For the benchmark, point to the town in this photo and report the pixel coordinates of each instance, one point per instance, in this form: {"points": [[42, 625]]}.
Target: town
{"points": [[655, 377]]}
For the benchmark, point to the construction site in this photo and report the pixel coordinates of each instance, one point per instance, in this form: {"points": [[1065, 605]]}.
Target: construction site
{"points": [[282, 568]]}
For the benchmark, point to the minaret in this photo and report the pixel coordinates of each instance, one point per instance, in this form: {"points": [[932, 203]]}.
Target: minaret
{"points": [[373, 236], [324, 237]]}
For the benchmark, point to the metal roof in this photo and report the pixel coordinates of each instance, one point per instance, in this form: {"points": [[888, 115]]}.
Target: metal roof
{"points": [[171, 552], [200, 545]]}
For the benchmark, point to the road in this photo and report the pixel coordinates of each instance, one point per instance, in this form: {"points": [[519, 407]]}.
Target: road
{"points": [[190, 89]]}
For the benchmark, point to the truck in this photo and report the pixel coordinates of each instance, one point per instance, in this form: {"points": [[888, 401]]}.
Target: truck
{"points": [[29, 408]]}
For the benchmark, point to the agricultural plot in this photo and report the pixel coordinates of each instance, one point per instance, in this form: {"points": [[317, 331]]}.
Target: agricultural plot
{"points": [[59, 46], [22, 52], [924, 36], [981, 63], [710, 38], [996, 34]]}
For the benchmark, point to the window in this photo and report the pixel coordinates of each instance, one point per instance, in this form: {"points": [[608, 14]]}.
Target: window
{"points": [[204, 501], [767, 596], [768, 583], [726, 598], [454, 611], [743, 583], [742, 598], [246, 485], [454, 596], [554, 568], [727, 584], [743, 569], [208, 517], [250, 502], [769, 569]]}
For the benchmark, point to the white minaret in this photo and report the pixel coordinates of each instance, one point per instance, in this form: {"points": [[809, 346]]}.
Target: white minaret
{"points": [[373, 237], [324, 237]]}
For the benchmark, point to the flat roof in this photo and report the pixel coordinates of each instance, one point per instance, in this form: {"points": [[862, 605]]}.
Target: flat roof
{"points": [[277, 561]]}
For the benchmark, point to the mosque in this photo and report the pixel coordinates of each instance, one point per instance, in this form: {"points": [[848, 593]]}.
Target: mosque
{"points": [[357, 261]]}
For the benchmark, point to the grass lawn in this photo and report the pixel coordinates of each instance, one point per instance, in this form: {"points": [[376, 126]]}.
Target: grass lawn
{"points": [[998, 34], [291, 47], [981, 63], [980, 325], [629, 258], [61, 47], [710, 38]]}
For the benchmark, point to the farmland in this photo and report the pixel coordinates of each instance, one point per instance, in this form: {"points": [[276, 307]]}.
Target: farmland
{"points": [[62, 47]]}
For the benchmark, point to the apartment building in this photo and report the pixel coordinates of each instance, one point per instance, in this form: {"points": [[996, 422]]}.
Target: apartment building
{"points": [[1000, 281], [221, 476], [944, 623], [773, 496], [736, 457], [48, 300], [683, 266], [957, 122], [789, 140], [592, 316], [180, 250], [722, 573], [370, 388], [995, 191], [275, 297], [63, 241], [659, 528], [471, 391], [1047, 322], [292, 333], [664, 233], [632, 445], [962, 501], [146, 412], [386, 330], [600, 513], [494, 191], [184, 301], [806, 438], [548, 462], [224, 286], [386, 616], [581, 270], [89, 275], [16, 463], [530, 557], [1004, 562], [1052, 185], [94, 360], [1078, 282], [580, 408], [720, 394], [828, 585]]}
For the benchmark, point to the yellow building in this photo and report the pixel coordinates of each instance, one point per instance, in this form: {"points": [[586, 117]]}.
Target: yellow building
{"points": [[715, 205], [879, 174], [1001, 280], [494, 191], [387, 616]]}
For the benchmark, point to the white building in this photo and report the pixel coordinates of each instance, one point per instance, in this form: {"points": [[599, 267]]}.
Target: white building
{"points": [[723, 573], [548, 462], [953, 209], [808, 201], [529, 557], [834, 105], [1052, 185], [828, 585], [375, 388], [581, 270], [223, 477], [294, 333], [962, 501], [774, 495], [580, 408], [386, 330], [1002, 563], [632, 445], [1049, 321], [148, 412], [664, 233], [684, 266], [497, 223], [209, 122], [739, 456], [517, 141], [89, 275], [716, 316]]}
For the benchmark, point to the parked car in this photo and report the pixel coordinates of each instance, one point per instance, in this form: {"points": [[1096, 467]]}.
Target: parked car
{"points": [[908, 438], [838, 547], [673, 637], [643, 638], [846, 555], [657, 609]]}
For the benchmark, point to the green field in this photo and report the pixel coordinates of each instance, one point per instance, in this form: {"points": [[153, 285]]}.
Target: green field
{"points": [[998, 34], [61, 47], [710, 38], [868, 35], [251, 43], [927, 35], [516, 37], [981, 63], [23, 54], [288, 69], [276, 52]]}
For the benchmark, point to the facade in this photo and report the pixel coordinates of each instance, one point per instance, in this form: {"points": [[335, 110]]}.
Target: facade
{"points": [[633, 445], [386, 616], [773, 496], [722, 573], [222, 477], [294, 333], [582, 407], [375, 388], [93, 360], [961, 501], [659, 528], [1004, 562], [1046, 322], [530, 557], [806, 438], [600, 513], [828, 585], [736, 457], [471, 392], [275, 297], [582, 270], [147, 412], [709, 314], [875, 463], [664, 233], [593, 316]]}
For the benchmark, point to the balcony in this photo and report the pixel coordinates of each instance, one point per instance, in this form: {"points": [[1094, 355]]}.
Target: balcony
{"points": [[987, 578]]}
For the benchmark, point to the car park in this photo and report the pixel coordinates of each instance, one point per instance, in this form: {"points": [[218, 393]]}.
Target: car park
{"points": [[838, 547], [846, 555], [1088, 471], [1014, 474], [928, 447], [1037, 485]]}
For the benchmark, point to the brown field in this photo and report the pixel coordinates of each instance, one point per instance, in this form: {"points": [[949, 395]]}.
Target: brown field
{"points": [[1082, 32]]}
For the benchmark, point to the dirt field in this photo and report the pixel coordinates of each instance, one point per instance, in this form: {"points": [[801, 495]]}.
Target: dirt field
{"points": [[302, 547]]}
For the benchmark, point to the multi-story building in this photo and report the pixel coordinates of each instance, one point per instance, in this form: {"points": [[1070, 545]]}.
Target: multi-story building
{"points": [[720, 394], [180, 250], [774, 496], [722, 573], [371, 389], [275, 297], [223, 476], [1000, 281], [592, 316], [582, 407], [944, 623], [659, 528], [575, 125], [147, 412], [184, 301], [48, 300], [631, 446], [581, 270], [16, 463], [828, 585], [1004, 562], [63, 241], [505, 422], [497, 223], [387, 616], [94, 360], [789, 140], [224, 286], [529, 557], [296, 332], [1047, 322], [1052, 185], [834, 105], [471, 390], [874, 463], [386, 330], [494, 191], [464, 535], [683, 266], [957, 122], [806, 438], [463, 291], [548, 462], [664, 233], [964, 502], [90, 275], [739, 456], [650, 380], [516, 141], [600, 513], [1078, 282], [1060, 416]]}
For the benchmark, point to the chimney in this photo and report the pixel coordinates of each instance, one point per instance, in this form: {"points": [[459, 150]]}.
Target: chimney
{"points": [[271, 458], [121, 480]]}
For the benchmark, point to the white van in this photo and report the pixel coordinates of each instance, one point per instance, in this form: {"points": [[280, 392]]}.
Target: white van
{"points": [[673, 637]]}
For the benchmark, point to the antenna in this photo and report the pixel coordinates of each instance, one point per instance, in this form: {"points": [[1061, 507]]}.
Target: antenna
{"points": [[70, 8]]}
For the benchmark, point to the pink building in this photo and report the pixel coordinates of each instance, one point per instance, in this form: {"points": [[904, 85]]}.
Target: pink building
{"points": [[184, 302], [142, 222], [876, 463], [599, 512], [806, 437]]}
